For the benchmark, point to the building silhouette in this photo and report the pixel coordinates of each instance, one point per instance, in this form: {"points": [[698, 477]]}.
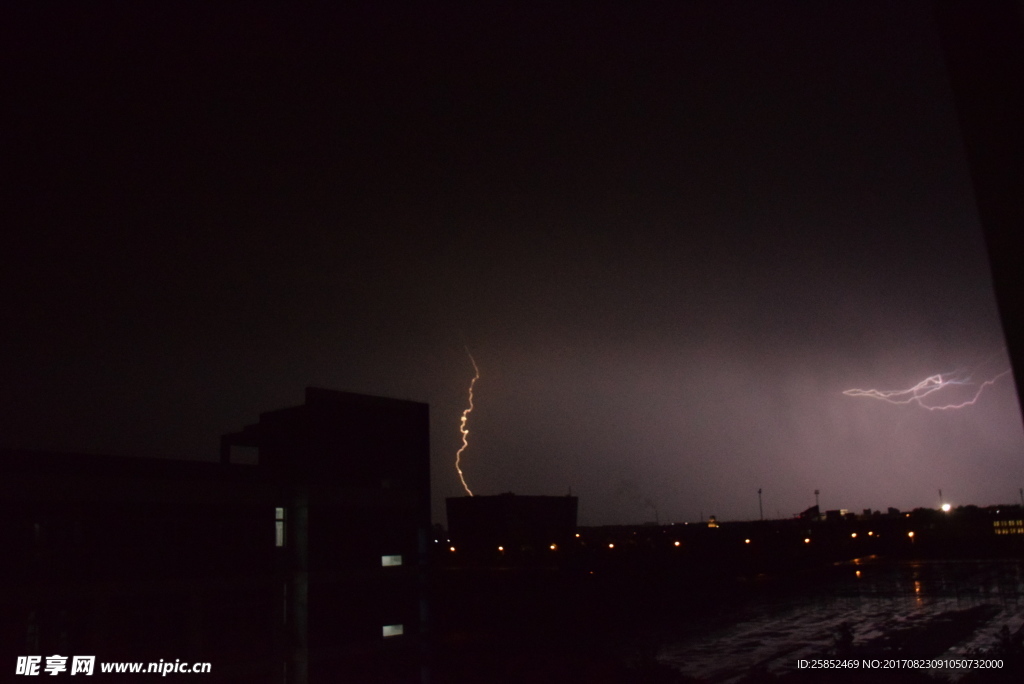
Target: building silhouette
{"points": [[299, 557]]}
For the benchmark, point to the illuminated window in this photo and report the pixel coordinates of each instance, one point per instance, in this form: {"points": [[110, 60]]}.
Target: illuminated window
{"points": [[279, 526], [391, 631], [1008, 526], [390, 561]]}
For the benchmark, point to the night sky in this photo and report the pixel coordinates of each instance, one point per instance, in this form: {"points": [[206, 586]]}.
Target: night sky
{"points": [[670, 234]]}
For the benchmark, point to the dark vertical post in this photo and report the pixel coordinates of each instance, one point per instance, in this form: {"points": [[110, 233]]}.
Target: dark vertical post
{"points": [[760, 505], [297, 537], [983, 45]]}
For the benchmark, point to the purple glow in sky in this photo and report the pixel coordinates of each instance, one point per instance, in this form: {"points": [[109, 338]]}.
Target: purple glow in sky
{"points": [[673, 237]]}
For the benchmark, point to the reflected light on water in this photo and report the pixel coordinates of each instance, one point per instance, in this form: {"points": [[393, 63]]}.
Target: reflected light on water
{"points": [[893, 600]]}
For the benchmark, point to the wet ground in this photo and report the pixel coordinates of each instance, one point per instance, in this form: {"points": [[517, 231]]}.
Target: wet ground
{"points": [[928, 609]]}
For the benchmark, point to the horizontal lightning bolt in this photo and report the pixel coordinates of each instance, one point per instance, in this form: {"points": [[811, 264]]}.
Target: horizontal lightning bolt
{"points": [[925, 388]]}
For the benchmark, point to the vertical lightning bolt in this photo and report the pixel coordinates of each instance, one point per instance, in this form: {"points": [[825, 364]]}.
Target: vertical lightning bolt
{"points": [[462, 426]]}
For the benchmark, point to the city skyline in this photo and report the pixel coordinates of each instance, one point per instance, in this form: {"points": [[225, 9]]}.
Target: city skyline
{"points": [[671, 239]]}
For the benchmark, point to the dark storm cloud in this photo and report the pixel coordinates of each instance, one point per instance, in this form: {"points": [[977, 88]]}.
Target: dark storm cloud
{"points": [[671, 238]]}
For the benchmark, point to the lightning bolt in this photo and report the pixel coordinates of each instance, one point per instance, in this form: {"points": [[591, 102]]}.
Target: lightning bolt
{"points": [[925, 388], [462, 426]]}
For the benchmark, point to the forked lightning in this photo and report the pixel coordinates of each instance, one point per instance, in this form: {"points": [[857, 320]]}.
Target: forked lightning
{"points": [[929, 387]]}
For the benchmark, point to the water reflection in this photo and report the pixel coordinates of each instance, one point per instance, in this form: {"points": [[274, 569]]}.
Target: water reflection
{"points": [[914, 609]]}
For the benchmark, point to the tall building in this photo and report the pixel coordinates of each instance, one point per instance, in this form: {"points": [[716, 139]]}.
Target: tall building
{"points": [[299, 557]]}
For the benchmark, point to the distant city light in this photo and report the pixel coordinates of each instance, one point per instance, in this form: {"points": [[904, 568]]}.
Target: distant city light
{"points": [[577, 534], [853, 536], [858, 573], [552, 547], [451, 548], [946, 508], [677, 544], [807, 540], [746, 541], [871, 534], [611, 546], [501, 548], [910, 534]]}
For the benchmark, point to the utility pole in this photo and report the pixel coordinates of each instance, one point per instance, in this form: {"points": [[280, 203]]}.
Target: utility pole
{"points": [[816, 501], [760, 506]]}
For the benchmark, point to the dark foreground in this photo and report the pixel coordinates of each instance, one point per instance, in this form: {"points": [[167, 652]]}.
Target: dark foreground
{"points": [[538, 624]]}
